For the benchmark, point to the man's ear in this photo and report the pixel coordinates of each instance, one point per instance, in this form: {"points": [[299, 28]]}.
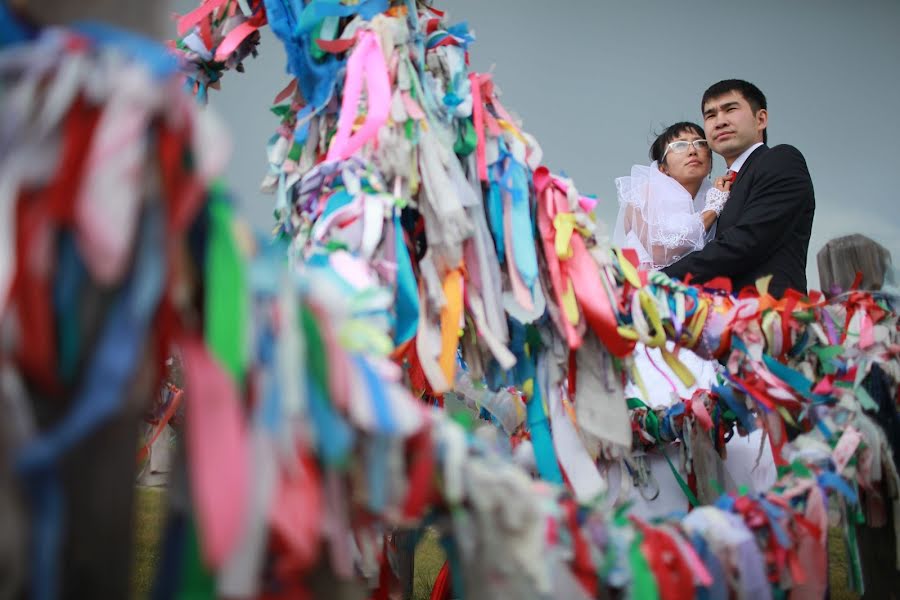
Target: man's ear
{"points": [[762, 119], [662, 168]]}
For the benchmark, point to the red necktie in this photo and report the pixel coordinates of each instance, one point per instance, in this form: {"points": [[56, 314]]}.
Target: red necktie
{"points": [[730, 175]]}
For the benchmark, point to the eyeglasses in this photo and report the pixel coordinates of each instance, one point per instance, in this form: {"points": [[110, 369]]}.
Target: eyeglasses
{"points": [[681, 146]]}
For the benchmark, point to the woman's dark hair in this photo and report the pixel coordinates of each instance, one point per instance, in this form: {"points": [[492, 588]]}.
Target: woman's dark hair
{"points": [[658, 148]]}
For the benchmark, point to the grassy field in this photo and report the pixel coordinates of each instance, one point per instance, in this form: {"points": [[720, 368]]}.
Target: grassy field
{"points": [[429, 556], [150, 512]]}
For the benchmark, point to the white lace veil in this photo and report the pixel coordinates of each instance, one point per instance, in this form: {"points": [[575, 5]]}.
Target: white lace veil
{"points": [[658, 217]]}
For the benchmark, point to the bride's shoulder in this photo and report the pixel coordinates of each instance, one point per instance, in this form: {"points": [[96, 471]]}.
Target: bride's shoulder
{"points": [[632, 187]]}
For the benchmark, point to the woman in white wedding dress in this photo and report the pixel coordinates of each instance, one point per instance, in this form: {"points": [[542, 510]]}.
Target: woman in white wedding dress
{"points": [[667, 210]]}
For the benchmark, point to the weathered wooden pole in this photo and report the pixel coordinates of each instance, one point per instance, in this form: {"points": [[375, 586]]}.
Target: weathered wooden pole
{"points": [[839, 261]]}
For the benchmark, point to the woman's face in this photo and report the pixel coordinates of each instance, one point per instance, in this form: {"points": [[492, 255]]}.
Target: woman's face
{"points": [[690, 165]]}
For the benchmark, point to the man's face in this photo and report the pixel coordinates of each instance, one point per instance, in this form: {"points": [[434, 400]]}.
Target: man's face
{"points": [[730, 125]]}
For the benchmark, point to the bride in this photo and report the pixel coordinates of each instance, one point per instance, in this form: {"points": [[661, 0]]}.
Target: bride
{"points": [[667, 210]]}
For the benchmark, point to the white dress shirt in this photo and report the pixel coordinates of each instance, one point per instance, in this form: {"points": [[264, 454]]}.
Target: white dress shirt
{"points": [[740, 160]]}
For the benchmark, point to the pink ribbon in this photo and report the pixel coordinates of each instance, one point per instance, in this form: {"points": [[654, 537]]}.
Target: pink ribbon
{"points": [[234, 39], [478, 123], [296, 514], [217, 451], [580, 269], [108, 201], [696, 406], [186, 22], [366, 64]]}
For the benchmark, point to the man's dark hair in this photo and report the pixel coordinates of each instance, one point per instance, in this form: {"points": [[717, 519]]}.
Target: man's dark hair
{"points": [[658, 148], [752, 94]]}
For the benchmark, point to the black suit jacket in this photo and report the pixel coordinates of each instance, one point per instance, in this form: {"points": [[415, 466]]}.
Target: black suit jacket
{"points": [[764, 228]]}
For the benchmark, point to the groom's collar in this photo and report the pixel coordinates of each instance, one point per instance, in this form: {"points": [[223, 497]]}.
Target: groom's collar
{"points": [[740, 160]]}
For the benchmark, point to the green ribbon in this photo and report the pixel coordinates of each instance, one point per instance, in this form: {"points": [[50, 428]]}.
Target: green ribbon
{"points": [[865, 400], [681, 482], [855, 575], [653, 429], [826, 355], [316, 353], [652, 417], [466, 138], [197, 582], [643, 582], [226, 302]]}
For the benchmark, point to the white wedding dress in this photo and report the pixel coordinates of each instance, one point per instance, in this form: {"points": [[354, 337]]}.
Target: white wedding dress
{"points": [[660, 220]]}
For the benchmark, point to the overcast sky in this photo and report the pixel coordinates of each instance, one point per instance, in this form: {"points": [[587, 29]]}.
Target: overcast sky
{"points": [[593, 81]]}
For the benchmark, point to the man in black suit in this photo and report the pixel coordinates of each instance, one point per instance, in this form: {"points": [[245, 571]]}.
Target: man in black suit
{"points": [[765, 226]]}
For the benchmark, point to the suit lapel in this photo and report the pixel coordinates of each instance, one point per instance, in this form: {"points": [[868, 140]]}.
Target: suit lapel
{"points": [[735, 205], [746, 166]]}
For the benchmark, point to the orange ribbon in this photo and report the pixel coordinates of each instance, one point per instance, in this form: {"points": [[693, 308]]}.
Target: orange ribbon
{"points": [[451, 314]]}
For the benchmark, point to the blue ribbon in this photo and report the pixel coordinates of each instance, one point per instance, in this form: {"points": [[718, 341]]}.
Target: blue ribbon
{"points": [[833, 481], [317, 79], [377, 473], [12, 30], [775, 515], [376, 390], [738, 408], [334, 437], [719, 588], [317, 10], [155, 56], [167, 581]]}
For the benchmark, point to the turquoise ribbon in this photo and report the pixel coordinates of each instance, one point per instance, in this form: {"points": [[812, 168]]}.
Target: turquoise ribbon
{"points": [[71, 275], [510, 176], [795, 379], [407, 299], [541, 440], [494, 205]]}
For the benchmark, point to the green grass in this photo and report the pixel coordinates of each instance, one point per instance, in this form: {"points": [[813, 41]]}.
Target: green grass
{"points": [[429, 560], [148, 527], [429, 555]]}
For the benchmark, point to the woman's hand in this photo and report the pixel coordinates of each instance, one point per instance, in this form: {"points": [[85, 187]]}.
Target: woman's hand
{"points": [[722, 184], [716, 197]]}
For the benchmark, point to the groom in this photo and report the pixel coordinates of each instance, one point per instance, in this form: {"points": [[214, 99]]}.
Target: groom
{"points": [[765, 226]]}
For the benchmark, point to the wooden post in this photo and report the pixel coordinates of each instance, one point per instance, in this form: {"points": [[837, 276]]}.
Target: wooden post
{"points": [[841, 258], [97, 474], [148, 18], [839, 261]]}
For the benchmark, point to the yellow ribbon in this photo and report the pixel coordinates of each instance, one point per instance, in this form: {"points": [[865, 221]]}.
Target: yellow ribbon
{"points": [[697, 322], [648, 305], [628, 270], [570, 303], [564, 224], [683, 373]]}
